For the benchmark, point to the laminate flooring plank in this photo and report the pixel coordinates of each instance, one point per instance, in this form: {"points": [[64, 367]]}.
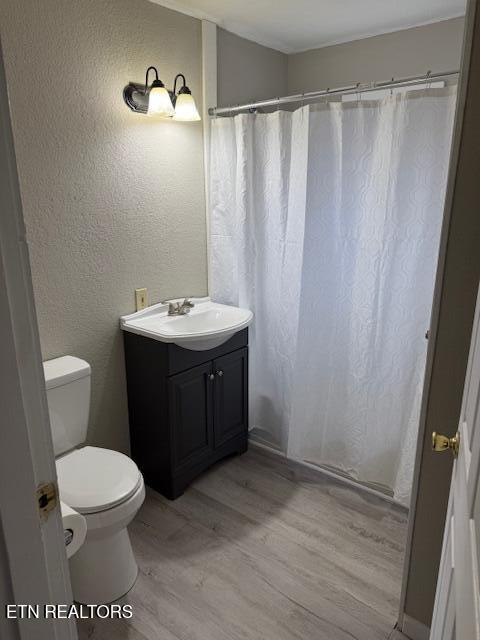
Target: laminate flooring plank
{"points": [[285, 561], [260, 548], [245, 594], [334, 533]]}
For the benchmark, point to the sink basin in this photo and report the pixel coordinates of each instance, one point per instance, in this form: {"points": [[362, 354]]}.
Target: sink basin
{"points": [[208, 324]]}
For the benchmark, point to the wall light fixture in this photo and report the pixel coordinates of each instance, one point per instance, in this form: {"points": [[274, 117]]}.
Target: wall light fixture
{"points": [[157, 100]]}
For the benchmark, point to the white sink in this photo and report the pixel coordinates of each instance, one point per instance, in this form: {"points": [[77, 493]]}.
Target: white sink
{"points": [[208, 324]]}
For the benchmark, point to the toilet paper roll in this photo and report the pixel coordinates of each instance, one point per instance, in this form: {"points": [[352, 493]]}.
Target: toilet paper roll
{"points": [[74, 527]]}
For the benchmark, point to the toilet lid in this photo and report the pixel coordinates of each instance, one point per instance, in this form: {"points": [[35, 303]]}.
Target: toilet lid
{"points": [[91, 479]]}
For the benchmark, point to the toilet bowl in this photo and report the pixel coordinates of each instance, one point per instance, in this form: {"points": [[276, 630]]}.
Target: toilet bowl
{"points": [[105, 486]]}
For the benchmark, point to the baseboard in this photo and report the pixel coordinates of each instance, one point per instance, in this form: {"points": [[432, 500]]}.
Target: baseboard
{"points": [[256, 442], [414, 629], [261, 444]]}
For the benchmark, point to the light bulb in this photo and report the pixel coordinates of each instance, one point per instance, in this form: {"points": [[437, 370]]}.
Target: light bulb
{"points": [[185, 108], [159, 102]]}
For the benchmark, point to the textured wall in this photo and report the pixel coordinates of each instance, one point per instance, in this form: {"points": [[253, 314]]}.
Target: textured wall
{"points": [[112, 200], [435, 47], [247, 70]]}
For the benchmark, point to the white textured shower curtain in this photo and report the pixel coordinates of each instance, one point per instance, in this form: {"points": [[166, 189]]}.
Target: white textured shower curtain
{"points": [[325, 222]]}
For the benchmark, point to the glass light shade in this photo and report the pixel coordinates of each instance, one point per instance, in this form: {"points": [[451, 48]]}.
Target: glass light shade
{"points": [[159, 102], [185, 108]]}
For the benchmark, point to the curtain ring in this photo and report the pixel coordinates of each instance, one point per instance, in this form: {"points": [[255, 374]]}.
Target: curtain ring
{"points": [[358, 92], [428, 77]]}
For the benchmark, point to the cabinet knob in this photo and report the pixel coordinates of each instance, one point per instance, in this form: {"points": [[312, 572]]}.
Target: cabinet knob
{"points": [[211, 376], [220, 373]]}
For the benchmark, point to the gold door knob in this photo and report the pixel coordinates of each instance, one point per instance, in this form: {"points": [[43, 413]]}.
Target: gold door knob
{"points": [[442, 443]]}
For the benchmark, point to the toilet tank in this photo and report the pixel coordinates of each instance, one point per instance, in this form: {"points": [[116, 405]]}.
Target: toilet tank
{"points": [[67, 380]]}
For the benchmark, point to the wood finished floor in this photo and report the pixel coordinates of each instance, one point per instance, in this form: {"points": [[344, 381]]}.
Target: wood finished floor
{"points": [[261, 549]]}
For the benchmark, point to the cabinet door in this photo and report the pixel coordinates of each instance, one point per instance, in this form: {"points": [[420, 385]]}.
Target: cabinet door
{"points": [[231, 396], [191, 415]]}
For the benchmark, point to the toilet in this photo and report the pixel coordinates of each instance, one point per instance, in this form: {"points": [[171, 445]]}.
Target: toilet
{"points": [[105, 486]]}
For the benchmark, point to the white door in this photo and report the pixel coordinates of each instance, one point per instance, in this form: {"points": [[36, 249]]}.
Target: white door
{"points": [[456, 615], [33, 562]]}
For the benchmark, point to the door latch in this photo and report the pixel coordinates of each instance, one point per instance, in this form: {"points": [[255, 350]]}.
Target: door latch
{"points": [[47, 499]]}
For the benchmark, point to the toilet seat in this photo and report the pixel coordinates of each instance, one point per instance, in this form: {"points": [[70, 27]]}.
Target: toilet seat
{"points": [[92, 479]]}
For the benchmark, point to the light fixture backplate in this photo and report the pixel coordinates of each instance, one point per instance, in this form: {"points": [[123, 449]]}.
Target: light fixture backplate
{"points": [[135, 97], [137, 100]]}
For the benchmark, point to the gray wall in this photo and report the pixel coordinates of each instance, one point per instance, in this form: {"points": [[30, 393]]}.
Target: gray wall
{"points": [[434, 47], [112, 200], [248, 71]]}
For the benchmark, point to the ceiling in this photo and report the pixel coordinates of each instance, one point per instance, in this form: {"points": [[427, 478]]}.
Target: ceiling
{"points": [[296, 25]]}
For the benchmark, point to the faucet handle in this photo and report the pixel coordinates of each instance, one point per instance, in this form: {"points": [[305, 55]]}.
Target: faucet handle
{"points": [[179, 308]]}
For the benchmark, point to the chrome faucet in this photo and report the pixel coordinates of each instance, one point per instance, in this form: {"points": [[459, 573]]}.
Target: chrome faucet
{"points": [[180, 308]]}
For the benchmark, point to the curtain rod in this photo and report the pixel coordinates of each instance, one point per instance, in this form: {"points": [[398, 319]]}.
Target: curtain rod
{"points": [[311, 95]]}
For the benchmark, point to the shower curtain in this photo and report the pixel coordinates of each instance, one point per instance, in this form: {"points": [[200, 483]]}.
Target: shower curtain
{"points": [[325, 222]]}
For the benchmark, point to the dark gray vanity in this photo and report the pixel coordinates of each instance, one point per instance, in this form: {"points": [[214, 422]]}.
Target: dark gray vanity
{"points": [[187, 409]]}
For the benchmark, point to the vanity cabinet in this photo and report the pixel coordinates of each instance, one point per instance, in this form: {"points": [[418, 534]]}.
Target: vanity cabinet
{"points": [[187, 409]]}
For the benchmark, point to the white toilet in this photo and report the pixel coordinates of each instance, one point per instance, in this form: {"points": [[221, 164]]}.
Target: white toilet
{"points": [[105, 486]]}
